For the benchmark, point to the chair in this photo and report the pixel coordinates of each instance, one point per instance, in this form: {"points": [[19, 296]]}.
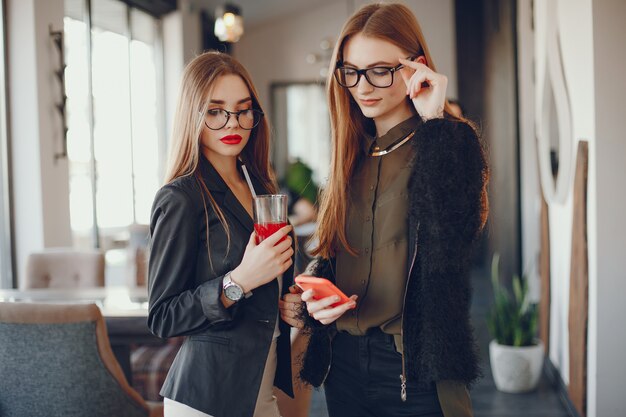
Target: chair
{"points": [[64, 268], [150, 365], [56, 360], [138, 251]]}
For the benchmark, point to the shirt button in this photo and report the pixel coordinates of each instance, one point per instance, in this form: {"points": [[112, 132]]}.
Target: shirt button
{"points": [[363, 282], [371, 188], [367, 250], [367, 219]]}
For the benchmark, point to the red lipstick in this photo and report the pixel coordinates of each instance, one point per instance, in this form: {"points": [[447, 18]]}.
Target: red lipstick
{"points": [[231, 139]]}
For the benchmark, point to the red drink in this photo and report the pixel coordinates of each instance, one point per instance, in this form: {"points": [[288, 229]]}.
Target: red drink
{"points": [[265, 230], [270, 215]]}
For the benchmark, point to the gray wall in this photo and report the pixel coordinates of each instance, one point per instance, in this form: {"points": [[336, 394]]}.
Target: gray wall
{"points": [[609, 63]]}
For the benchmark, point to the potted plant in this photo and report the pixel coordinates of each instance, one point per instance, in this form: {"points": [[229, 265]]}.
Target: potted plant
{"points": [[516, 355]]}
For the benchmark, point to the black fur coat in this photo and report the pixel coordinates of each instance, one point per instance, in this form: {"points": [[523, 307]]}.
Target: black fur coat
{"points": [[447, 209]]}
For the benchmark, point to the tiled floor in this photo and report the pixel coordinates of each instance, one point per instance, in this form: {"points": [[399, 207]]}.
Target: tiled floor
{"points": [[487, 401]]}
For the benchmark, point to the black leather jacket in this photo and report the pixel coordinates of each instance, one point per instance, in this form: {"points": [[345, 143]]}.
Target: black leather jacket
{"points": [[219, 367]]}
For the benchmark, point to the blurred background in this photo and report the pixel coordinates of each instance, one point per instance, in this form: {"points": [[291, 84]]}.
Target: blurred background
{"points": [[87, 95]]}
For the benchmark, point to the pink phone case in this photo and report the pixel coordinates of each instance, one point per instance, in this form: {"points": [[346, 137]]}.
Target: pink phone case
{"points": [[323, 288]]}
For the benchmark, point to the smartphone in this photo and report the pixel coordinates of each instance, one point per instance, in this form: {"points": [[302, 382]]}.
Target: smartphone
{"points": [[323, 288]]}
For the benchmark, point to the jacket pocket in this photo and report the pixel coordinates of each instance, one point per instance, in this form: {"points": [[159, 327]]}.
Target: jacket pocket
{"points": [[209, 338]]}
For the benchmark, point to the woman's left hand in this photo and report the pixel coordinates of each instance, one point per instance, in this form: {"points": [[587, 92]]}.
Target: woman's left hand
{"points": [[428, 101], [291, 308]]}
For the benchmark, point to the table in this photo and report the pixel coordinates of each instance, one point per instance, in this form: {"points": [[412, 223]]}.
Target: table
{"points": [[125, 312]]}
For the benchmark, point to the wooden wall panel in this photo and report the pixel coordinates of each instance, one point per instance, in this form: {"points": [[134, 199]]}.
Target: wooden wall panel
{"points": [[579, 287], [544, 273]]}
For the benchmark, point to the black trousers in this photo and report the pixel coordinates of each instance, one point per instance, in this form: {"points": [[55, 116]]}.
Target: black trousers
{"points": [[364, 380]]}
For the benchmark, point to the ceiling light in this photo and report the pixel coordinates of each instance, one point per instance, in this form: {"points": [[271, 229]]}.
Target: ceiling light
{"points": [[228, 23]]}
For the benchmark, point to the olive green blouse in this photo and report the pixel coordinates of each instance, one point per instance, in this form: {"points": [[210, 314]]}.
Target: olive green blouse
{"points": [[376, 227]]}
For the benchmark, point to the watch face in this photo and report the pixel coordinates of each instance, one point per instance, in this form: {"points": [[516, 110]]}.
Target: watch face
{"points": [[233, 293]]}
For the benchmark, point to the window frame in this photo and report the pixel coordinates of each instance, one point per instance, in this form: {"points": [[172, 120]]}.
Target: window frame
{"points": [[97, 233], [7, 252]]}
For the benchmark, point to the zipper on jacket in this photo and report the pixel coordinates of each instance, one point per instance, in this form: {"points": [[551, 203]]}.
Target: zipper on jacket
{"points": [[330, 361], [406, 290], [330, 340]]}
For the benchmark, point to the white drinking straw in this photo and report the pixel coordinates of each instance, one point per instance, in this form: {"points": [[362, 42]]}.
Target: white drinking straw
{"points": [[245, 173]]}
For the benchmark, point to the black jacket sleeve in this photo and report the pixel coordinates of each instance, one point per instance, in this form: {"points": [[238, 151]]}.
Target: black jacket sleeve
{"points": [[448, 187], [177, 305]]}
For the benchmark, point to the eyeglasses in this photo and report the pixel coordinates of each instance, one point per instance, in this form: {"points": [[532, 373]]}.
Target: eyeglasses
{"points": [[216, 119], [380, 77]]}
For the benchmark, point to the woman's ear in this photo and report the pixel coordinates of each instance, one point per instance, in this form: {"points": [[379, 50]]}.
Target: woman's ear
{"points": [[421, 59]]}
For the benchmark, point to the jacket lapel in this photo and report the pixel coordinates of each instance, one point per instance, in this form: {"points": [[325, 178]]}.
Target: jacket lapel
{"points": [[215, 183], [232, 205]]}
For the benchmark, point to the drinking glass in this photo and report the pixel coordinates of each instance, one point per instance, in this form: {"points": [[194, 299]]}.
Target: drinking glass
{"points": [[270, 215]]}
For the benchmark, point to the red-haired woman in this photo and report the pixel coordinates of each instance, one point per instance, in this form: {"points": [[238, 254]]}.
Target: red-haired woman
{"points": [[404, 203]]}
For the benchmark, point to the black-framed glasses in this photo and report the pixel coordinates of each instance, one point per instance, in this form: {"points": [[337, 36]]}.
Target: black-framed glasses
{"points": [[216, 119], [380, 77]]}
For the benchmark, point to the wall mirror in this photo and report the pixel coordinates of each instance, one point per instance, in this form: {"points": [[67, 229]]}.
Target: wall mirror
{"points": [[554, 121], [301, 128]]}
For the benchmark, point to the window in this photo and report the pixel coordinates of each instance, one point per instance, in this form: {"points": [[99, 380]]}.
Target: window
{"points": [[114, 108]]}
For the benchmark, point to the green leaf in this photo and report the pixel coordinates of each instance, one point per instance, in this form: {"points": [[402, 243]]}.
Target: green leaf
{"points": [[512, 319]]}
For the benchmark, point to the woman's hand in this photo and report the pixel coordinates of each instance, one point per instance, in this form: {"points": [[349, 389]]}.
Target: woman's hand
{"points": [[263, 262], [428, 101], [322, 311], [290, 308]]}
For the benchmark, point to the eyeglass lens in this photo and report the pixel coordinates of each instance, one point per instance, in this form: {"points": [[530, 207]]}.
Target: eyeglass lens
{"points": [[377, 76], [218, 118]]}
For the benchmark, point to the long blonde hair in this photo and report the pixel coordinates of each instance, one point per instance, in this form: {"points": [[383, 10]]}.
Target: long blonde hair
{"points": [[193, 102], [396, 24]]}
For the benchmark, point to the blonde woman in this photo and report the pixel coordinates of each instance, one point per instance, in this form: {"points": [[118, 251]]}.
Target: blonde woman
{"points": [[403, 206], [208, 278]]}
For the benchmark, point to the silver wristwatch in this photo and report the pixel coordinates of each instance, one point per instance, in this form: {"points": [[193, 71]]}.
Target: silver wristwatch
{"points": [[232, 290]]}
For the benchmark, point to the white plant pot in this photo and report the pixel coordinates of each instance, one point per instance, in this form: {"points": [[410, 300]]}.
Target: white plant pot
{"points": [[516, 369]]}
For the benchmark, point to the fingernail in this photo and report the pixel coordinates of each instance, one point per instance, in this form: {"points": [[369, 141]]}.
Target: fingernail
{"points": [[336, 298]]}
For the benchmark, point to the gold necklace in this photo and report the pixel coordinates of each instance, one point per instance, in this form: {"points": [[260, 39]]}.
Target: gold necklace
{"points": [[376, 151]]}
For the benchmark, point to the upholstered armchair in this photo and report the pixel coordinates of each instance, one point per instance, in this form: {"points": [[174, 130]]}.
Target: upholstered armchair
{"points": [[64, 268], [56, 360]]}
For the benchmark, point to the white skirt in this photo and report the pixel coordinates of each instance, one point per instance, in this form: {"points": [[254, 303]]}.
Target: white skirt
{"points": [[266, 405], [173, 408]]}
